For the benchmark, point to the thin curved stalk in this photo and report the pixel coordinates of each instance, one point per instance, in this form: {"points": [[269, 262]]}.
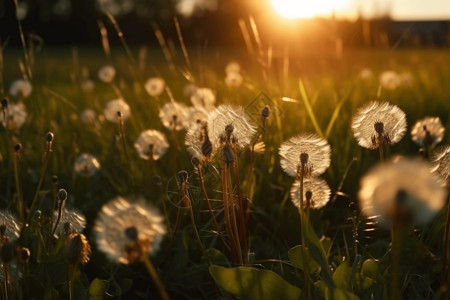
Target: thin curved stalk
{"points": [[151, 270]]}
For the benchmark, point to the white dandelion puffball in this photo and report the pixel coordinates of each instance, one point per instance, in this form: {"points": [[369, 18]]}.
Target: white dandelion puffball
{"points": [[120, 215], [173, 115], [198, 141], [390, 80], [87, 85], [107, 73], [234, 80], [16, 115], [405, 186], [195, 116], [225, 115], [441, 164], [112, 109], [316, 150], [366, 74], [377, 124], [20, 89], [86, 165], [151, 144], [71, 221], [155, 86], [428, 132], [232, 67], [203, 98], [10, 224], [315, 189], [88, 116]]}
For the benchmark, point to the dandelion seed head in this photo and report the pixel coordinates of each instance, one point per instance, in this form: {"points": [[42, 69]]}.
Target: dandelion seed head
{"points": [[203, 98], [16, 115], [309, 147], [115, 220], [225, 115], [377, 124], [155, 86], [75, 219], [441, 164], [9, 225], [107, 73], [151, 144], [87, 85], [195, 117], [428, 132], [88, 116], [20, 89], [315, 189], [390, 80], [115, 107], [406, 186], [366, 74], [232, 67], [234, 80], [173, 115], [198, 141], [86, 165]]}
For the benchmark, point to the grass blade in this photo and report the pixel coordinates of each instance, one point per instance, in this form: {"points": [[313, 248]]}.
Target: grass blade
{"points": [[309, 109]]}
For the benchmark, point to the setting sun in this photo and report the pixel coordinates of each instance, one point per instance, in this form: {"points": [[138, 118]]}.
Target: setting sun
{"points": [[299, 9]]}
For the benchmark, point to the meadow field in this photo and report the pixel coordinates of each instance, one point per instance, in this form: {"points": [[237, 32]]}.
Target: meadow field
{"points": [[93, 209]]}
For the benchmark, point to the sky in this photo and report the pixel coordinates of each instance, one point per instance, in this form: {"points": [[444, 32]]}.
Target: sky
{"points": [[397, 9]]}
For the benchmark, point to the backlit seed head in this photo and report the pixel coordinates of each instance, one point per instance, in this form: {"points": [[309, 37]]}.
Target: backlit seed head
{"points": [[378, 124], [173, 115], [86, 165], [20, 89], [316, 193], [71, 221], [49, 137], [107, 73], [155, 86], [151, 144], [441, 164], [390, 80], [16, 115], [78, 249], [305, 155], [428, 132], [116, 108], [9, 225], [401, 191], [234, 80], [203, 98]]}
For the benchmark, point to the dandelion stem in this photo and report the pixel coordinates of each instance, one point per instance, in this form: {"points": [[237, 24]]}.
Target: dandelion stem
{"points": [[5, 281], [151, 270], [444, 276], [208, 203], [41, 179], [124, 146], [396, 236], [303, 230], [381, 150], [69, 282], [227, 211], [20, 203], [233, 218]]}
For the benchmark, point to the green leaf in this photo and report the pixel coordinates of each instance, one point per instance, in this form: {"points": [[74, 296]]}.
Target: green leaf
{"points": [[370, 268], [97, 289], [250, 283], [309, 109], [296, 257], [341, 276], [338, 294]]}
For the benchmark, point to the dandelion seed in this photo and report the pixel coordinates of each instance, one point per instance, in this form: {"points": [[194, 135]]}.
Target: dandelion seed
{"points": [[428, 132], [225, 117], [316, 193], [86, 165], [378, 124], [151, 143], [114, 107], [203, 98], [88, 116], [305, 154], [234, 80], [390, 80], [441, 164], [71, 221], [121, 225], [155, 86], [405, 189], [107, 73], [15, 116], [173, 115], [20, 89], [9, 225]]}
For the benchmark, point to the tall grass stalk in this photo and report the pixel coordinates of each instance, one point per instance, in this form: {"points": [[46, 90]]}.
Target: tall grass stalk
{"points": [[29, 74], [18, 179], [151, 270], [124, 147]]}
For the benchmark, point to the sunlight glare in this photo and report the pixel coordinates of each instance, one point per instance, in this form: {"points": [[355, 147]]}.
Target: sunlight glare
{"points": [[299, 9]]}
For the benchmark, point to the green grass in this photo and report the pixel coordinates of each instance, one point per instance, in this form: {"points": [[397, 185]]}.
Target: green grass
{"points": [[327, 91]]}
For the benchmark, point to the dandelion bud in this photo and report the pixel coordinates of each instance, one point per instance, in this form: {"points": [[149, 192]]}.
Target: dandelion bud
{"points": [[304, 158], [54, 179], [18, 147], [49, 137], [308, 196], [119, 114], [62, 195], [195, 161], [2, 230], [183, 176], [4, 103], [207, 147], [67, 228], [78, 249], [379, 127], [7, 251], [25, 254], [228, 155], [265, 112], [157, 179], [131, 233]]}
